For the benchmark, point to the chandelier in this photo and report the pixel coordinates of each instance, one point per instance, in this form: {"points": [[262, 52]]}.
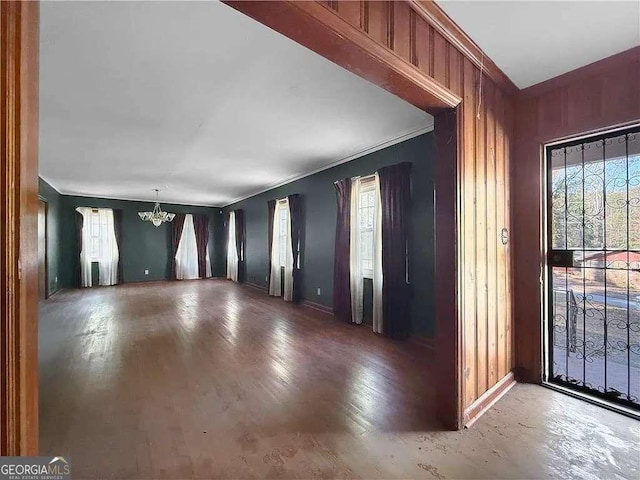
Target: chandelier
{"points": [[157, 217]]}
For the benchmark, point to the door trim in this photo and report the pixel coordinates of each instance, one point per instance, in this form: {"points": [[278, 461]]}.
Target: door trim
{"points": [[19, 42]]}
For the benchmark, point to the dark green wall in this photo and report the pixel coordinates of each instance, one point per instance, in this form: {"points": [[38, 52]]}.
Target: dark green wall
{"points": [[53, 199], [143, 245], [319, 210]]}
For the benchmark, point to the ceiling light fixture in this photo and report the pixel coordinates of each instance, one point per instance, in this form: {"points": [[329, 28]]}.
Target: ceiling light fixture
{"points": [[157, 217]]}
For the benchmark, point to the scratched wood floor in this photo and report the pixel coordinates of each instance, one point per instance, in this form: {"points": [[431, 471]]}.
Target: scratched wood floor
{"points": [[209, 379]]}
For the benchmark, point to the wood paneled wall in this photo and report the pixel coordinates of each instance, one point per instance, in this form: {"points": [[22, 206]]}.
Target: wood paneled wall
{"points": [[419, 46], [19, 228], [595, 97]]}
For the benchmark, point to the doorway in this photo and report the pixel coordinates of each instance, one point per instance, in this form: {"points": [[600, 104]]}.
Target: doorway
{"points": [[593, 288], [43, 282]]}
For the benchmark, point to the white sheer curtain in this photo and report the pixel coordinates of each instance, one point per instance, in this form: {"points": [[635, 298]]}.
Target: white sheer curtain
{"points": [[288, 264], [109, 255], [187, 253], [232, 251], [355, 263], [277, 242], [378, 324], [275, 288], [85, 248], [98, 245]]}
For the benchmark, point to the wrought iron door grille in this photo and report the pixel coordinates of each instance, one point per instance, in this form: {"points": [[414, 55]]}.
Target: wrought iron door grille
{"points": [[593, 214]]}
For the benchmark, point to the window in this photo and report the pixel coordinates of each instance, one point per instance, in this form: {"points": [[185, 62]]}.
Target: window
{"points": [[367, 214], [98, 229], [283, 237], [98, 244], [98, 233]]}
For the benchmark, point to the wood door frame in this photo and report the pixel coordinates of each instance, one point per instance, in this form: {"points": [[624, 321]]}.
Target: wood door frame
{"points": [[19, 42], [46, 246], [321, 30]]}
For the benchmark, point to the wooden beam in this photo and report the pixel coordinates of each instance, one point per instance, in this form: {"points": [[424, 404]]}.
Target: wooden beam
{"points": [[322, 30]]}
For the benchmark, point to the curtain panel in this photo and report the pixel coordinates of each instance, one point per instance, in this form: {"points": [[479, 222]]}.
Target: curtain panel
{"points": [[287, 295], [109, 255], [176, 234], [356, 278], [271, 210], [295, 217], [117, 226], [395, 194], [341, 260], [378, 276], [79, 225], [85, 246], [201, 227], [240, 242], [187, 259], [232, 252], [275, 272]]}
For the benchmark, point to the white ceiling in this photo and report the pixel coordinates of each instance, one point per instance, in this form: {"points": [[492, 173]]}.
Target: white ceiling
{"points": [[533, 41], [198, 100]]}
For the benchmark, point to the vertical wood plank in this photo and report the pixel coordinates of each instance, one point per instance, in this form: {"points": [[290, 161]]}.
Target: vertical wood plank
{"points": [[509, 128], [440, 59], [350, 12], [502, 213], [492, 239], [402, 30], [423, 46], [332, 4], [468, 235], [481, 237], [379, 25], [413, 38], [455, 66]]}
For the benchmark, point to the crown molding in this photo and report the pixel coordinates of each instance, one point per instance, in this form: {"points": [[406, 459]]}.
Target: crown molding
{"points": [[134, 199], [380, 146], [49, 183]]}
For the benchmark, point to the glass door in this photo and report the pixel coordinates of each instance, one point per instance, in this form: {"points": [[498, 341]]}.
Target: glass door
{"points": [[593, 232]]}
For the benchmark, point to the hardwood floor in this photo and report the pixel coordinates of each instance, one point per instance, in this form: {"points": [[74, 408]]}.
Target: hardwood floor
{"points": [[209, 379]]}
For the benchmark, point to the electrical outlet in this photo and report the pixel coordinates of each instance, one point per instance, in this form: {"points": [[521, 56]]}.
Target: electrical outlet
{"points": [[319, 291], [146, 272], [56, 280], [266, 278]]}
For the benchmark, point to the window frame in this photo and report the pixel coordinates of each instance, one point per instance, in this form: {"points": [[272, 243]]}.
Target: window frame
{"points": [[95, 236], [282, 207], [367, 186]]}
